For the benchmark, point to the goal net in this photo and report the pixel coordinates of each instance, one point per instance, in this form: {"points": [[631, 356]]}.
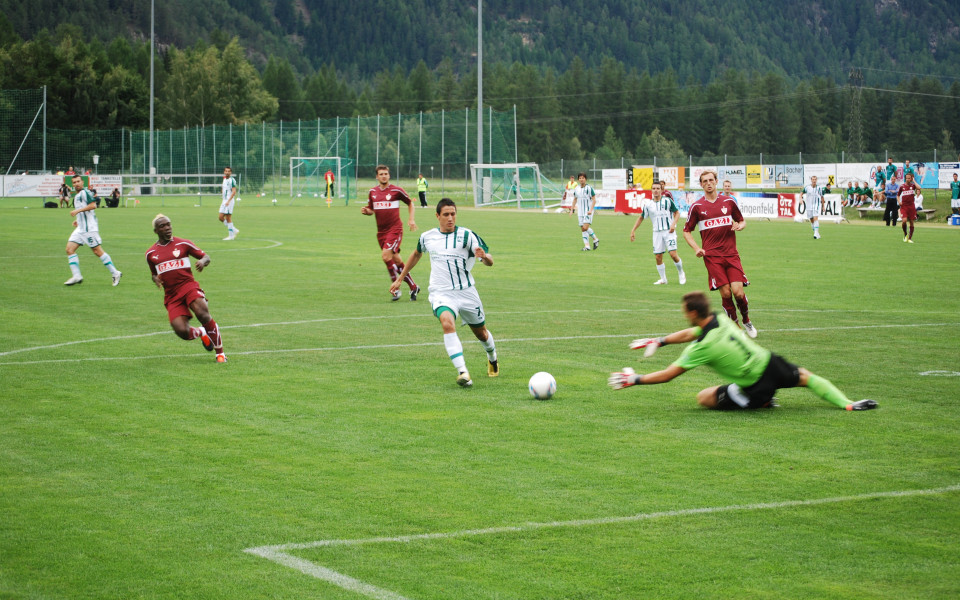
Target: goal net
{"points": [[308, 179], [513, 184]]}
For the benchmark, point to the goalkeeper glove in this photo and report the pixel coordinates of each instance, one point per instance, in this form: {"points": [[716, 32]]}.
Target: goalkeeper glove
{"points": [[623, 379], [651, 345]]}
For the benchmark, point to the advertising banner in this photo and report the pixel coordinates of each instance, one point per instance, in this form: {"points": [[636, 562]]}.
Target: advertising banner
{"points": [[672, 177], [826, 174], [695, 176], [613, 179], [927, 174], [737, 174], [786, 206], [769, 176], [606, 198], [754, 176], [831, 209], [642, 177], [19, 186], [945, 174], [789, 175], [631, 201], [855, 173], [765, 207]]}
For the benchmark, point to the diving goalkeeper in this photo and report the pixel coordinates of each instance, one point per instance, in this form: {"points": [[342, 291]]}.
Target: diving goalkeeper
{"points": [[755, 373]]}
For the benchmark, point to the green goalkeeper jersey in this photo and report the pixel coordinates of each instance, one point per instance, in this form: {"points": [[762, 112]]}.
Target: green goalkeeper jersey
{"points": [[727, 349]]}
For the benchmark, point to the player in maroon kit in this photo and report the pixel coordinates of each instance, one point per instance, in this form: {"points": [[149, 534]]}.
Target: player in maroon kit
{"points": [[169, 261], [906, 200], [718, 218], [384, 202]]}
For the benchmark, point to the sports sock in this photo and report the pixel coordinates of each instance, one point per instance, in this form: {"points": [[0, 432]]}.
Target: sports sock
{"points": [[911, 230], [662, 269], [816, 228], [230, 227], [742, 305], [586, 239], [408, 279], [591, 233], [826, 390], [392, 269], [105, 259], [214, 332], [903, 224], [455, 351], [489, 347], [74, 261], [679, 265], [194, 333], [730, 309]]}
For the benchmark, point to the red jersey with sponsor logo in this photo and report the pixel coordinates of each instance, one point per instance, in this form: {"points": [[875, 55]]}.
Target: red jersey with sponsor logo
{"points": [[715, 220], [907, 193], [386, 206], [171, 262]]}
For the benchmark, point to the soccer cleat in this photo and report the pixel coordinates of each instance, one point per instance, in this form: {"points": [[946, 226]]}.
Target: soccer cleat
{"points": [[596, 244], [116, 278], [683, 278], [221, 358], [414, 293], [750, 329], [396, 296], [816, 236], [904, 239], [73, 281], [585, 249], [235, 232], [228, 238], [660, 282], [463, 379], [493, 368], [909, 241], [862, 405], [771, 404], [208, 344]]}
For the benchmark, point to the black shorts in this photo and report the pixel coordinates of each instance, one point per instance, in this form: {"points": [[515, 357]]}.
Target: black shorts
{"points": [[779, 374]]}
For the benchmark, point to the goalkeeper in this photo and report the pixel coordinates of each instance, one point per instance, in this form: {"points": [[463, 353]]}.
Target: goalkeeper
{"points": [[755, 373]]}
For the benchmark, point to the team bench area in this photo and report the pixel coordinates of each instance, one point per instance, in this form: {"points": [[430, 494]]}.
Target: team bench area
{"points": [[866, 210]]}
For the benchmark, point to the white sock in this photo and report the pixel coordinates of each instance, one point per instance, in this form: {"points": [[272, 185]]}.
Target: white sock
{"points": [[490, 347], [662, 269], [195, 332], [105, 259], [679, 265], [586, 239], [74, 261], [231, 227], [455, 351], [816, 228], [592, 234]]}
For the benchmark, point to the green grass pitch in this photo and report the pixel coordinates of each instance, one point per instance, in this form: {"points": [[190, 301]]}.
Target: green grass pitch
{"points": [[132, 465]]}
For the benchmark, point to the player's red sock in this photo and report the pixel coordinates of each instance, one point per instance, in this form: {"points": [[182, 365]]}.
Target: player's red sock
{"points": [[214, 332], [911, 230], [730, 309], [392, 269], [742, 305], [903, 224]]}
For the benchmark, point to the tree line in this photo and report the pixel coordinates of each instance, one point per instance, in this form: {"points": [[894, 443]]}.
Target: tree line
{"points": [[611, 110]]}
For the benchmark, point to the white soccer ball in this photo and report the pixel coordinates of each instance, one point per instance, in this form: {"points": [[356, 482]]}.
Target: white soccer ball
{"points": [[274, 201], [542, 385]]}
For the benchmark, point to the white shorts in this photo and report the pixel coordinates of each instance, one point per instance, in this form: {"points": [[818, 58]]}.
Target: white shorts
{"points": [[465, 303], [226, 208], [664, 241], [955, 203], [85, 238], [813, 211], [585, 219]]}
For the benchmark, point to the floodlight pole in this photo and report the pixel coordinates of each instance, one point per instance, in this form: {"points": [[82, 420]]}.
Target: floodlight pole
{"points": [[150, 165], [479, 81]]}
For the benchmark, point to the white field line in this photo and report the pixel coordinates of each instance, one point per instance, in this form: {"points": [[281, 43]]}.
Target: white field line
{"points": [[279, 553], [274, 244], [407, 345]]}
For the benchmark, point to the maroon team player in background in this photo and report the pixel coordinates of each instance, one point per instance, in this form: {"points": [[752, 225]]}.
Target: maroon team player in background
{"points": [[169, 261], [907, 201], [719, 218], [384, 202]]}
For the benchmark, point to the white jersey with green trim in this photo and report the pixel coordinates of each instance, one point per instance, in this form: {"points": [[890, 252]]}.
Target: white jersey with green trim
{"points": [[660, 213], [451, 257], [227, 187], [87, 220], [584, 195]]}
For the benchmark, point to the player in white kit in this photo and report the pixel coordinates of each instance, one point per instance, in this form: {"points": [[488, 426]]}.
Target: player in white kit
{"points": [[813, 198], [584, 201], [452, 291], [663, 213], [86, 233], [228, 193]]}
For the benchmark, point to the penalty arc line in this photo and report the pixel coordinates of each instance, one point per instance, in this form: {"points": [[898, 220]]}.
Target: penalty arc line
{"points": [[421, 344], [279, 553]]}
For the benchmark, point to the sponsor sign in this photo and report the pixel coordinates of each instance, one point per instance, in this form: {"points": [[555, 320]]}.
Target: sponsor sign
{"points": [[49, 185], [789, 175], [826, 174], [855, 173], [613, 179], [754, 176], [672, 177], [765, 207], [695, 176], [945, 174], [642, 177], [769, 176], [737, 174], [606, 198], [631, 201]]}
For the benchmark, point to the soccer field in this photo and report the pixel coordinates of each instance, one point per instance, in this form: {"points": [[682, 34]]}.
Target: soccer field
{"points": [[334, 457]]}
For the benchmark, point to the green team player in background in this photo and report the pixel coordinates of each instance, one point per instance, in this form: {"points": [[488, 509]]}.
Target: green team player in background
{"points": [[755, 373]]}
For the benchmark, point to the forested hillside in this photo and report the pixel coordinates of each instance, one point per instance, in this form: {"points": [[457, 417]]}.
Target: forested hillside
{"points": [[603, 79]]}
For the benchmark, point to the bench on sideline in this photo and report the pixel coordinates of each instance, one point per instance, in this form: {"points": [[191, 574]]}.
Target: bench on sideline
{"points": [[866, 210]]}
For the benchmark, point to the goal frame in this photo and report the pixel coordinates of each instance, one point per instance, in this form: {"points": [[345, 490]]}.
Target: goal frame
{"points": [[337, 182], [484, 194]]}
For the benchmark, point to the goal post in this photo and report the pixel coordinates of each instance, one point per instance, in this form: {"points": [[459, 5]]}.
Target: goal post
{"points": [[308, 178], [513, 184]]}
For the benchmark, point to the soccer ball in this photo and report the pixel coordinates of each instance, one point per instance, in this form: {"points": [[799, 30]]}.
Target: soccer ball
{"points": [[542, 385]]}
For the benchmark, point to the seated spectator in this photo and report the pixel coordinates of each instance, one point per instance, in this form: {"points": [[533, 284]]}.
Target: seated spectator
{"points": [[64, 195], [113, 200]]}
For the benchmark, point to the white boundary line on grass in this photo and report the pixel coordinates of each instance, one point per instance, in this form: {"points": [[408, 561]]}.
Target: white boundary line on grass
{"points": [[408, 345], [274, 243], [279, 553]]}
